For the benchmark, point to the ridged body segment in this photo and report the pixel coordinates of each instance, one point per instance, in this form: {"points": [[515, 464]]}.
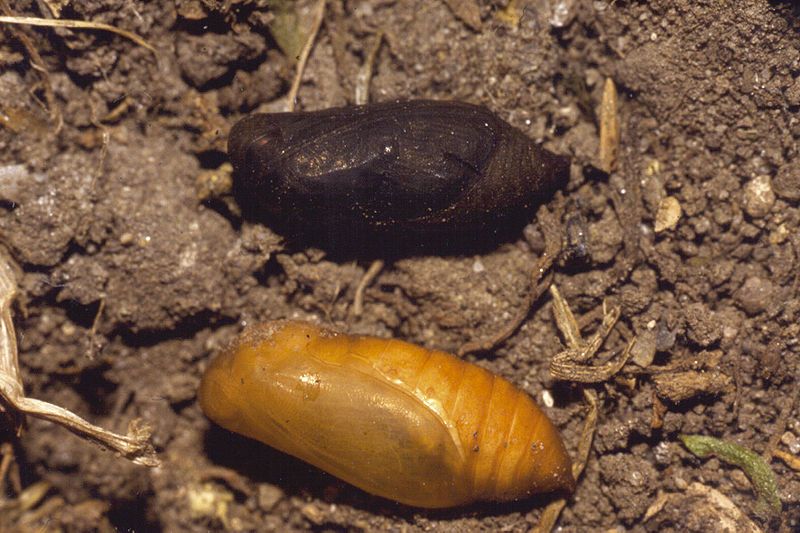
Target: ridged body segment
{"points": [[414, 425]]}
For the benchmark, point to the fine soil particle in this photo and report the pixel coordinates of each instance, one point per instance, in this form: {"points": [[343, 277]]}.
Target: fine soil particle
{"points": [[130, 283]]}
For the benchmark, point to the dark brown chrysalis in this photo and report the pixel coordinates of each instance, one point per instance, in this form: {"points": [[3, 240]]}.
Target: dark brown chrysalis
{"points": [[417, 164]]}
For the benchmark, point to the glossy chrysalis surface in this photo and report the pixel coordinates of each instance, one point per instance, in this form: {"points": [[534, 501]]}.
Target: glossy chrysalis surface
{"points": [[418, 426], [416, 164]]}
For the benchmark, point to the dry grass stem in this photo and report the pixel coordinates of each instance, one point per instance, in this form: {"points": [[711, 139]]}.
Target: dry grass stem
{"points": [[364, 76], [541, 277], [551, 513], [79, 24], [291, 97], [135, 446], [609, 128], [373, 270]]}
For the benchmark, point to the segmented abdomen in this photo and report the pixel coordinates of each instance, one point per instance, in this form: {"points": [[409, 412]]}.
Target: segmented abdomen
{"points": [[510, 448]]}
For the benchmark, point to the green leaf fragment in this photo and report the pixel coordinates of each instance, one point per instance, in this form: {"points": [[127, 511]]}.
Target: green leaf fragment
{"points": [[287, 28], [754, 466]]}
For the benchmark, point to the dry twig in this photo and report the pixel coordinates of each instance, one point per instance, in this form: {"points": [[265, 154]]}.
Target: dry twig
{"points": [[780, 424], [291, 97], [551, 513], [79, 24], [540, 281], [365, 72], [373, 270], [792, 461], [135, 446]]}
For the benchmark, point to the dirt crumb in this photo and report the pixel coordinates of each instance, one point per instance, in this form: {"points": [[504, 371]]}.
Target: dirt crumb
{"points": [[703, 328], [628, 483], [208, 57]]}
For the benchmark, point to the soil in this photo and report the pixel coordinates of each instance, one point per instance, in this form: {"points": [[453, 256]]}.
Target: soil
{"points": [[130, 283]]}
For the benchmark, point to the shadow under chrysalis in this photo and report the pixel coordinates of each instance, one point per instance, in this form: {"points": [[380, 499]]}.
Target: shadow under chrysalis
{"points": [[424, 172]]}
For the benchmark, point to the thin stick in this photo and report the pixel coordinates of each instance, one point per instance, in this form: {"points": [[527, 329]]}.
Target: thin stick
{"points": [[553, 511], [791, 461], [95, 324], [780, 424], [587, 435], [540, 280], [301, 61], [79, 24], [7, 452], [364, 76], [369, 275]]}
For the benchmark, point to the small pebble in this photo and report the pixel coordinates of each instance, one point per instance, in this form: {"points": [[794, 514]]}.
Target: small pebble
{"points": [[701, 225], [653, 167], [740, 480], [547, 398], [563, 11], [779, 234], [312, 514], [665, 337], [729, 332], [478, 267], [663, 453], [644, 349], [652, 187], [668, 214], [791, 441], [268, 496], [755, 295], [758, 196], [68, 329]]}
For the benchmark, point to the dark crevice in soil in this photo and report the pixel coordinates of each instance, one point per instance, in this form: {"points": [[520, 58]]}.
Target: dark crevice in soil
{"points": [[135, 516], [185, 329]]}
